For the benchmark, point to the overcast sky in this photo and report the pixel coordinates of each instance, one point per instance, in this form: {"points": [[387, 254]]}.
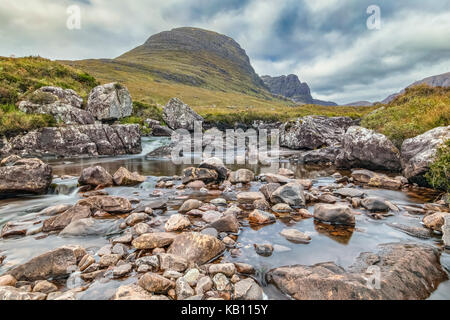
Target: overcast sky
{"points": [[325, 42]]}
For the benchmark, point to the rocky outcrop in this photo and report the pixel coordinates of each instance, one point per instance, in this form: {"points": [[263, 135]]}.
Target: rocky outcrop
{"points": [[24, 176], [64, 105], [418, 153], [178, 115], [363, 148], [77, 141], [399, 278], [110, 101], [313, 132]]}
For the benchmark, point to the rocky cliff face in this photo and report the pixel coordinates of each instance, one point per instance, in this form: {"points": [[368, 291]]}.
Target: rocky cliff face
{"points": [[292, 88]]}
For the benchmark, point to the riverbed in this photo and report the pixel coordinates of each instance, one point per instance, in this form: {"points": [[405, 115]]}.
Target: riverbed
{"points": [[339, 245]]}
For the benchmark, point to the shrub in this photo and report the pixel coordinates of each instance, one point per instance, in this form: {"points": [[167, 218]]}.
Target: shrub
{"points": [[13, 122], [439, 175], [39, 97]]}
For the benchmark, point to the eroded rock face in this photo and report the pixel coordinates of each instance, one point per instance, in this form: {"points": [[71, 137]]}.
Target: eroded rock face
{"points": [[25, 176], [419, 153], [313, 132], [53, 264], [197, 248], [178, 115], [111, 101], [63, 105], [363, 148], [77, 141], [400, 279]]}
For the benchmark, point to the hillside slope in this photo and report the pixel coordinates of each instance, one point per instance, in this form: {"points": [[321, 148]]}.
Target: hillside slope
{"points": [[198, 66]]}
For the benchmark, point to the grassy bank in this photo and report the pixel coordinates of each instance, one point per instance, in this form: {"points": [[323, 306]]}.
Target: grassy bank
{"points": [[13, 121], [420, 109], [439, 175]]}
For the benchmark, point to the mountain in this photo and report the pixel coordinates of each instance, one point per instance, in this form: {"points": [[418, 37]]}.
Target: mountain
{"points": [[292, 88], [359, 104], [442, 80], [200, 67]]}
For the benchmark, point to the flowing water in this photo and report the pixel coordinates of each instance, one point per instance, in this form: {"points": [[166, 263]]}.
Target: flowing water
{"points": [[341, 246]]}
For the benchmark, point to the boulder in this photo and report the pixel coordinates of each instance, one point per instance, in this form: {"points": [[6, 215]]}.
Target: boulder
{"points": [[435, 221], [7, 280], [375, 204], [319, 156], [189, 205], [228, 223], [95, 176], [268, 189], [291, 194], [350, 192], [399, 278], [62, 220], [247, 289], [172, 262], [64, 105], [110, 101], [157, 129], [249, 197], [217, 165], [155, 283], [197, 248], [123, 177], [242, 176], [446, 232], [25, 176], [203, 174], [177, 222], [313, 132], [261, 217], [418, 153], [77, 141], [178, 115], [363, 148], [295, 235], [14, 294], [132, 292], [53, 264], [110, 204], [339, 214]]}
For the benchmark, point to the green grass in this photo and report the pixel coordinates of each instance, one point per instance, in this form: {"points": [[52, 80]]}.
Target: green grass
{"points": [[22, 76], [13, 121], [420, 109], [439, 175]]}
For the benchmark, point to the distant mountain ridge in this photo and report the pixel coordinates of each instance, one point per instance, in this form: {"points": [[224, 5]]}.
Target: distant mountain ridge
{"points": [[441, 80], [292, 88]]}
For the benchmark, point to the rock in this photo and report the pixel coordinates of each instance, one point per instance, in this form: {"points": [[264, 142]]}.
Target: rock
{"points": [[14, 294], [375, 204], [228, 223], [276, 178], [247, 289], [400, 279], [61, 221], [136, 218], [53, 264], [126, 238], [95, 176], [86, 262], [110, 204], [249, 197], [183, 289], [54, 210], [217, 165], [363, 175], [446, 232], [363, 148], [418, 232], [177, 222], [189, 205], [192, 276], [261, 204], [157, 129], [383, 181], [350, 192], [123, 177], [122, 270], [286, 172], [291, 194], [7, 280], [219, 202], [81, 227], [227, 269], [261, 217], [220, 282], [282, 208], [203, 174], [109, 260], [178, 115], [44, 286], [418, 153], [264, 250], [197, 248], [151, 261], [131, 292], [198, 184], [110, 101], [435, 221], [339, 214], [25, 176], [313, 132], [327, 198], [242, 176], [10, 229], [79, 141], [173, 262], [172, 275], [155, 283], [295, 236], [268, 189], [153, 240], [319, 156], [204, 284], [64, 105], [244, 268]]}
